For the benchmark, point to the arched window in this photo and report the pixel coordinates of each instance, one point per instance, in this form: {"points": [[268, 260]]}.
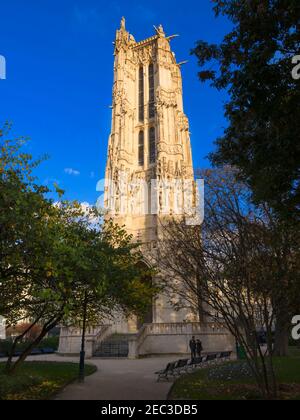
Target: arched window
{"points": [[141, 148], [151, 92], [152, 145], [141, 94]]}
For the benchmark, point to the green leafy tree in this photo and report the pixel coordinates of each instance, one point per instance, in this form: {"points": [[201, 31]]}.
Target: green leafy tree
{"points": [[55, 258], [253, 64], [22, 207]]}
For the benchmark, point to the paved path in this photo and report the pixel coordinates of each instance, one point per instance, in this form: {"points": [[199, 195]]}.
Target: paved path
{"points": [[117, 379]]}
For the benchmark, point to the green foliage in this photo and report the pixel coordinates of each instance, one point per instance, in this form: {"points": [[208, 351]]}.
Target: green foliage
{"points": [[49, 342], [5, 346], [54, 258], [254, 64], [39, 380]]}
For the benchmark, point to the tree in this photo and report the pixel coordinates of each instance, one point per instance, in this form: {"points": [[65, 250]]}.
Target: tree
{"points": [[22, 207], [237, 264], [20, 328], [54, 258], [254, 64]]}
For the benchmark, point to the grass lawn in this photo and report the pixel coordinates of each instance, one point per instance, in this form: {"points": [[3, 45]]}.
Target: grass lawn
{"points": [[38, 380], [233, 381]]}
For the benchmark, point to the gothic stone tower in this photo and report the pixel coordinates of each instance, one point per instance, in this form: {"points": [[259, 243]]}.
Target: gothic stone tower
{"points": [[149, 135], [149, 141]]}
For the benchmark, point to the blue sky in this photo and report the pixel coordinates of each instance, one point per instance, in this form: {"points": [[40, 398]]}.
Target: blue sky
{"points": [[58, 90]]}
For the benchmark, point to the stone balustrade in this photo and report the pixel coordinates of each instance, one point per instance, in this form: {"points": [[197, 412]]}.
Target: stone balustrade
{"points": [[183, 328], [70, 339], [156, 338], [174, 337]]}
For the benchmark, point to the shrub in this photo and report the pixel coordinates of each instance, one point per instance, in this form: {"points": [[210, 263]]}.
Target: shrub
{"points": [[6, 345]]}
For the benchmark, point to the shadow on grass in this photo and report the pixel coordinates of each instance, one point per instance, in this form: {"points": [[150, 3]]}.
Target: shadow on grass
{"points": [[234, 381], [39, 380]]}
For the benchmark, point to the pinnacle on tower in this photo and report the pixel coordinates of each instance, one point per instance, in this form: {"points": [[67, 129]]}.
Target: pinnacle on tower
{"points": [[123, 23], [160, 30]]}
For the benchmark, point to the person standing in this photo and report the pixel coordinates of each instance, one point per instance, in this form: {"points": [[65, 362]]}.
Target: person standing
{"points": [[193, 346], [199, 348]]}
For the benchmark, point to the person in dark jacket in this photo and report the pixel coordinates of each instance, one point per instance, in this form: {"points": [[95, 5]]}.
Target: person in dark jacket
{"points": [[193, 347], [199, 348]]}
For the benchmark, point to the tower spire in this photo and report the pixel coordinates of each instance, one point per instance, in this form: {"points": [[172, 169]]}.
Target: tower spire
{"points": [[160, 30], [123, 23]]}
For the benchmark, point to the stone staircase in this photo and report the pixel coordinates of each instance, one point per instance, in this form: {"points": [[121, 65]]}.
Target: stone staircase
{"points": [[113, 346]]}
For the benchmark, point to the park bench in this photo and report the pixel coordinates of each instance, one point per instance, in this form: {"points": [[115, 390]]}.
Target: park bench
{"points": [[211, 358], [197, 361], [176, 368], [226, 354], [181, 365], [216, 358], [165, 373], [191, 364]]}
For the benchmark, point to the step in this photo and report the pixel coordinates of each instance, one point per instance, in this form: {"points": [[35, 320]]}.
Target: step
{"points": [[115, 353], [114, 346], [111, 355], [118, 338]]}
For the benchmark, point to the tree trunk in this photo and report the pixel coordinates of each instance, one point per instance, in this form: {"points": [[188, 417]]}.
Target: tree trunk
{"points": [[47, 327], [82, 352], [281, 344], [14, 346]]}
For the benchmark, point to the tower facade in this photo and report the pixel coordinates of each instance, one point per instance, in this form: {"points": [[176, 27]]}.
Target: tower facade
{"points": [[149, 177], [149, 163], [149, 145]]}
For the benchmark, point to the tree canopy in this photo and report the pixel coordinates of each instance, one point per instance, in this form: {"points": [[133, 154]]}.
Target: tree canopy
{"points": [[56, 256], [240, 268], [254, 65]]}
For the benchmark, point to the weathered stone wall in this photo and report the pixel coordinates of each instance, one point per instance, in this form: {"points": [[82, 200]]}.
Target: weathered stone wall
{"points": [[179, 344]]}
